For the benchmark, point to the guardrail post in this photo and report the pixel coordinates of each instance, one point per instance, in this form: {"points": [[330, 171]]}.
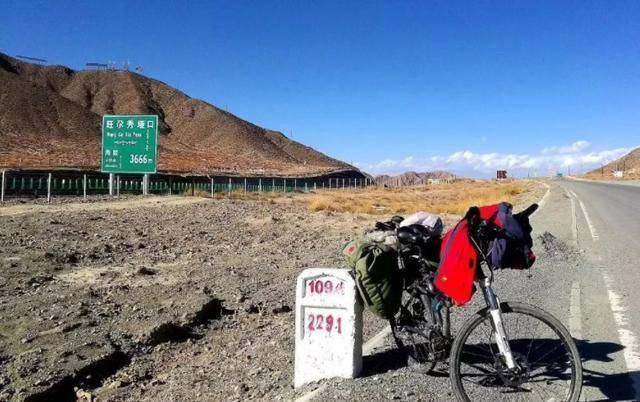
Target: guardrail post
{"points": [[145, 184], [259, 185], [273, 185], [284, 187], [315, 186], [49, 188], [229, 185], [84, 186], [2, 187], [111, 183], [212, 188], [295, 184], [245, 185]]}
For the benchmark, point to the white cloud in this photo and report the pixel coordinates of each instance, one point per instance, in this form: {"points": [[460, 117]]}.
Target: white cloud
{"points": [[577, 146], [466, 162]]}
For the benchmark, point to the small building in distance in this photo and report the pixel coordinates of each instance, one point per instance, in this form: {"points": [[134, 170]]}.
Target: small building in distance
{"points": [[501, 174]]}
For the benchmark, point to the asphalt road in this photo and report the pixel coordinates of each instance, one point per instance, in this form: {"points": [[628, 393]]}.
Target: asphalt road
{"points": [[608, 232], [587, 277]]}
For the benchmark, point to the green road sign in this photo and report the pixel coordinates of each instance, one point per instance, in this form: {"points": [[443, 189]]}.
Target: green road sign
{"points": [[129, 144]]}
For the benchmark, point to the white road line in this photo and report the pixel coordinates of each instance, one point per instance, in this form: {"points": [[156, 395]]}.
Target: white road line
{"points": [[592, 229], [376, 341], [310, 395], [626, 336], [574, 220], [575, 312], [544, 197]]}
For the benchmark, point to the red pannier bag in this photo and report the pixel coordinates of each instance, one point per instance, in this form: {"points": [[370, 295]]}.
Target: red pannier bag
{"points": [[459, 259]]}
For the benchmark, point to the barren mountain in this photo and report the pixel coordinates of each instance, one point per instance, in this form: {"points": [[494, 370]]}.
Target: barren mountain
{"points": [[50, 118], [412, 178], [629, 164]]}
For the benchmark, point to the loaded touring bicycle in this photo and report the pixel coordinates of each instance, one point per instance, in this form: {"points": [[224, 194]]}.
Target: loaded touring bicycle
{"points": [[505, 351]]}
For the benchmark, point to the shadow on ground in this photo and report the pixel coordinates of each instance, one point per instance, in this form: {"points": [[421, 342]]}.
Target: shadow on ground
{"points": [[615, 387]]}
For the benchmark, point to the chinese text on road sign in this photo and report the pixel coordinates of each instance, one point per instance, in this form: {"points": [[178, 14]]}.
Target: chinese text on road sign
{"points": [[129, 144]]}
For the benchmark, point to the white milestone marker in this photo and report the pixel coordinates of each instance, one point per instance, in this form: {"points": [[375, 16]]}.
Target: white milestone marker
{"points": [[328, 326]]}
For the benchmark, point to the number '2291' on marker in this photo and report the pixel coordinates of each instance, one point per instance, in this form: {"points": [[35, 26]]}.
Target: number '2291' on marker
{"points": [[319, 322]]}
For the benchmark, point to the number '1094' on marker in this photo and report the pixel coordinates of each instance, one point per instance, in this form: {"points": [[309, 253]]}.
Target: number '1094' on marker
{"points": [[325, 286]]}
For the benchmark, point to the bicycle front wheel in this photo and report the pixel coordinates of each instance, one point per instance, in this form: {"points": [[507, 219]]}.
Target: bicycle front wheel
{"points": [[548, 363]]}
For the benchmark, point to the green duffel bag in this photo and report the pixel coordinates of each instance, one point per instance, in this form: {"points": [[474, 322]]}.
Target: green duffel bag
{"points": [[375, 267]]}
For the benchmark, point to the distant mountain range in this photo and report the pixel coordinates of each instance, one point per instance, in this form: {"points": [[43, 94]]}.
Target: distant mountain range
{"points": [[629, 164], [412, 178], [50, 118]]}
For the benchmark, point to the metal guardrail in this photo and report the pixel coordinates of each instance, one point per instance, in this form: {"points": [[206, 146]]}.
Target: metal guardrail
{"points": [[21, 184]]}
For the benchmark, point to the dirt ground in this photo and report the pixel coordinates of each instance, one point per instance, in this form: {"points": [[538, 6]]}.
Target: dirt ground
{"points": [[159, 298]]}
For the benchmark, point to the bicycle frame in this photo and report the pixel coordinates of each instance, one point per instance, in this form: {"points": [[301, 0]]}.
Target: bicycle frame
{"points": [[430, 295], [493, 304]]}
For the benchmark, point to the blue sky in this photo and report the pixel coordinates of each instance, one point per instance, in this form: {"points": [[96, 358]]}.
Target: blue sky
{"points": [[530, 86]]}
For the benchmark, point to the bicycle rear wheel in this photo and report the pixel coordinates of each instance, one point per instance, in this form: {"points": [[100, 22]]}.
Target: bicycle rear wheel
{"points": [[413, 333], [549, 366]]}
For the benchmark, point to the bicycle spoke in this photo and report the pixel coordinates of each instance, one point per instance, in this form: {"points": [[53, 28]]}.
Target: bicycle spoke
{"points": [[479, 355], [546, 354], [481, 370], [544, 369]]}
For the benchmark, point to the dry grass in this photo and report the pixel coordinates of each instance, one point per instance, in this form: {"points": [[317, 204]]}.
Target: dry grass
{"points": [[454, 198], [239, 194]]}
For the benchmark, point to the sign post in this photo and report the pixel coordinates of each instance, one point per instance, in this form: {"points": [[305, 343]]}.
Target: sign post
{"points": [[129, 145], [328, 326]]}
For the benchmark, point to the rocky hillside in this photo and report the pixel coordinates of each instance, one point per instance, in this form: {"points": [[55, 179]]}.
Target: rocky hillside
{"points": [[412, 178], [629, 164], [50, 118]]}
